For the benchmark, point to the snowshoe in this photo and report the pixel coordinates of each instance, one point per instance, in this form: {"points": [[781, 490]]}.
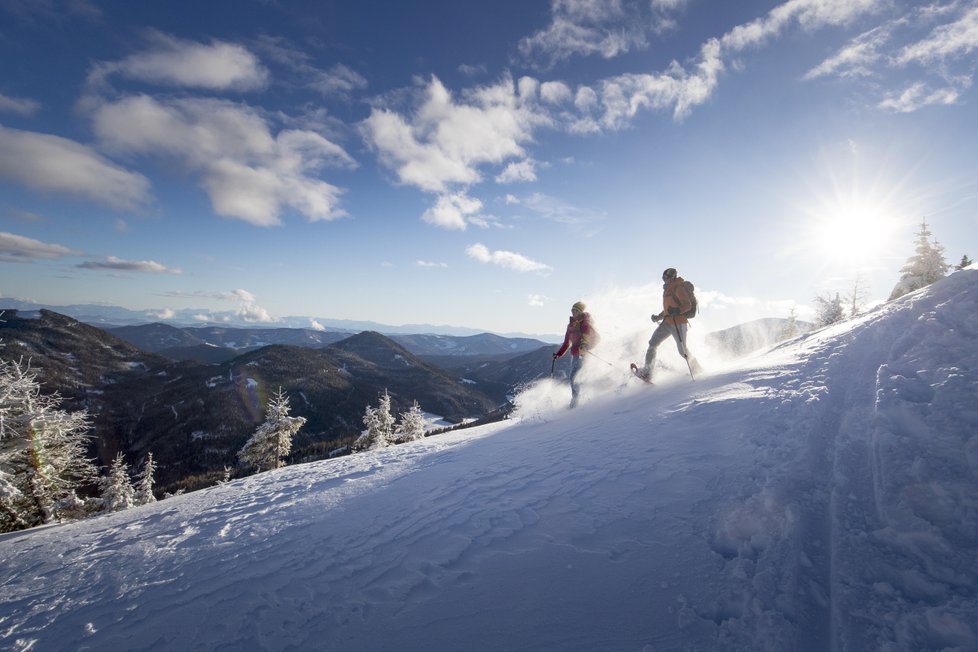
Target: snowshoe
{"points": [[640, 373]]}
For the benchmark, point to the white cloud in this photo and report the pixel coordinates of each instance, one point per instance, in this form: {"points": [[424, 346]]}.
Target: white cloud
{"points": [[248, 173], [337, 81], [555, 92], [918, 96], [536, 300], [506, 259], [607, 28], [19, 105], [942, 56], [248, 311], [243, 295], [316, 326], [51, 163], [446, 139], [557, 210], [17, 248], [430, 264], [251, 312], [516, 171], [809, 14], [857, 58], [953, 40], [618, 99], [171, 61], [452, 211], [118, 264], [165, 313]]}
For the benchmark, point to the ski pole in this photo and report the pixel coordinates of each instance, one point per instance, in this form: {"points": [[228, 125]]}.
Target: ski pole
{"points": [[554, 362], [594, 355]]}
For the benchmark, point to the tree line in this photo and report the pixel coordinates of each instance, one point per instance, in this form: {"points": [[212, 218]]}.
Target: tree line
{"points": [[46, 476], [925, 266]]}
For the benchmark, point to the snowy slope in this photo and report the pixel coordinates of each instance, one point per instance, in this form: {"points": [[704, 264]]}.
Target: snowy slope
{"points": [[821, 496]]}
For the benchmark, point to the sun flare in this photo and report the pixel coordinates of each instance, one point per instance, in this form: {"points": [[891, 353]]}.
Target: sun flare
{"points": [[853, 233]]}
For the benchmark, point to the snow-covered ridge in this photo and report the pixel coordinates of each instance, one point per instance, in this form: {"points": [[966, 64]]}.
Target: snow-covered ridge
{"points": [[819, 497]]}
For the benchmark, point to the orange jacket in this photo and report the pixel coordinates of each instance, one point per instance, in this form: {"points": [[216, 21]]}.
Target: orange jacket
{"points": [[580, 336], [675, 296]]}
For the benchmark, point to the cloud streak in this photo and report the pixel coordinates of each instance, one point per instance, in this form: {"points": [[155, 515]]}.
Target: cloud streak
{"points": [[18, 248], [55, 164], [506, 259], [170, 61], [119, 265], [19, 105]]}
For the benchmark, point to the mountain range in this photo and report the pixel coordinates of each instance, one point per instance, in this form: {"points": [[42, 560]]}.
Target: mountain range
{"points": [[194, 417], [193, 395]]}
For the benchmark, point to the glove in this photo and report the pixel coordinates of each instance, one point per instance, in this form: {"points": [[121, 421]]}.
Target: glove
{"points": [[656, 318], [673, 311], [556, 356]]}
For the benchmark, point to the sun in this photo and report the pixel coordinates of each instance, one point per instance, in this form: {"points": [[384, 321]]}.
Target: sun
{"points": [[852, 232]]}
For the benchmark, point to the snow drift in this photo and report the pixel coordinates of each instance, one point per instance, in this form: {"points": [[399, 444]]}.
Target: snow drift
{"points": [[819, 496]]}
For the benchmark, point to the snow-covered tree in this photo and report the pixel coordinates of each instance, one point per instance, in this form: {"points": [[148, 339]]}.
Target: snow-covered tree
{"points": [[117, 490], [924, 267], [42, 452], [965, 262], [411, 425], [856, 297], [272, 440], [144, 488], [790, 327], [379, 424], [828, 311]]}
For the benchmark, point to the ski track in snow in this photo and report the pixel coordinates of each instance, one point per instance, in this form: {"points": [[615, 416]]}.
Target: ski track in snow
{"points": [[820, 497]]}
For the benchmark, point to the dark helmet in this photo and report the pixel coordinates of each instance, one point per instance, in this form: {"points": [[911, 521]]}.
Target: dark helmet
{"points": [[670, 272]]}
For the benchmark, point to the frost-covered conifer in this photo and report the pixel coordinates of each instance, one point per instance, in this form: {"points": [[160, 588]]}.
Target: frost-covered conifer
{"points": [[42, 452], [924, 267], [117, 491], [144, 488], [790, 327], [965, 262], [411, 425], [272, 440], [856, 297], [380, 426], [828, 311]]}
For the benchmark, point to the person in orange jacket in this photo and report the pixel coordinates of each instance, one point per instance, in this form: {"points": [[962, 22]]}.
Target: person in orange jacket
{"points": [[675, 303], [580, 337]]}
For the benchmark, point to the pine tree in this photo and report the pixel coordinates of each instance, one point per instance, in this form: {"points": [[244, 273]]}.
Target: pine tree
{"points": [[790, 327], [965, 262], [42, 452], [380, 426], [924, 267], [828, 311], [856, 296], [411, 425], [117, 491], [144, 489], [272, 440]]}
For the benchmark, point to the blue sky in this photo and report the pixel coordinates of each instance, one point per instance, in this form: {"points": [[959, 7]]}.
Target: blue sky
{"points": [[479, 164]]}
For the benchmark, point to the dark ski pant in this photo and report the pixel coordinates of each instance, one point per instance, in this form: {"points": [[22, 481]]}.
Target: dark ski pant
{"points": [[660, 335]]}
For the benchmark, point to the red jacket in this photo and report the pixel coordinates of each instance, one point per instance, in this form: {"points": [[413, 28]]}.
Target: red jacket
{"points": [[675, 295], [580, 336]]}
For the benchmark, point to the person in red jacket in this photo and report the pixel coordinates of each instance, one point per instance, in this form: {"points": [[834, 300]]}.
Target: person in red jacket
{"points": [[580, 337], [675, 303]]}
